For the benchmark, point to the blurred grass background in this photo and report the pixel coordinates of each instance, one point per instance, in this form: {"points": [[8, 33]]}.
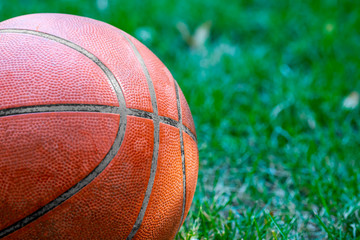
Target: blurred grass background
{"points": [[273, 88]]}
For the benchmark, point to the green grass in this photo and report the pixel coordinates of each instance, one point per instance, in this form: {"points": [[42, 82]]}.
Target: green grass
{"points": [[279, 154]]}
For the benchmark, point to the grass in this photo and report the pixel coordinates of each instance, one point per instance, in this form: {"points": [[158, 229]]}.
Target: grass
{"points": [[279, 153]]}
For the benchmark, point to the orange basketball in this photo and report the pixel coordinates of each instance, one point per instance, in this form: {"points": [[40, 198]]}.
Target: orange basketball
{"points": [[96, 138]]}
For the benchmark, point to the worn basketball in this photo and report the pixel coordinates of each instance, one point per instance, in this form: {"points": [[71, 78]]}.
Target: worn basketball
{"points": [[96, 138]]}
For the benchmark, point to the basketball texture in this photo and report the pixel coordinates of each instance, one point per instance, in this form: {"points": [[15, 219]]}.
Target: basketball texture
{"points": [[96, 138]]}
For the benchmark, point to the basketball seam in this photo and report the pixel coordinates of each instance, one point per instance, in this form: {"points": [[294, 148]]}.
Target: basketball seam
{"points": [[51, 108], [60, 108], [165, 120], [182, 151], [109, 156], [156, 120]]}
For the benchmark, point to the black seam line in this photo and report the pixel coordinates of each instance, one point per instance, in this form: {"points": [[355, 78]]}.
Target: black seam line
{"points": [[60, 108], [156, 120], [109, 156], [166, 120], [181, 128], [188, 132], [89, 108], [139, 113]]}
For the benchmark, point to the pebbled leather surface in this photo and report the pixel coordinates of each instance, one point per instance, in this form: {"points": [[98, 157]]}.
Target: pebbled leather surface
{"points": [[187, 118], [163, 82], [102, 40], [163, 214], [44, 154], [38, 71], [191, 169]]}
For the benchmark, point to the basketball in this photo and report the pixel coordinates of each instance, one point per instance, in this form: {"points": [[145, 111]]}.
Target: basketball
{"points": [[97, 140]]}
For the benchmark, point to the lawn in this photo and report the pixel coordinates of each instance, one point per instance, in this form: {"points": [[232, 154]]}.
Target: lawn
{"points": [[270, 91]]}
